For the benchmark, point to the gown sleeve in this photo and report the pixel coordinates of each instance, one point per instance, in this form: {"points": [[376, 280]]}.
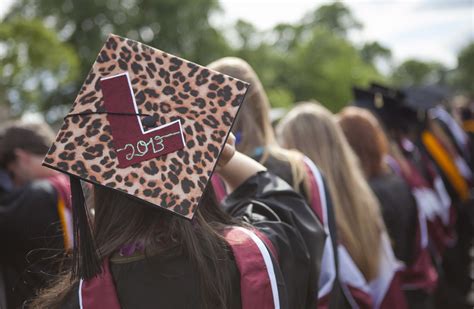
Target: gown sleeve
{"points": [[271, 206]]}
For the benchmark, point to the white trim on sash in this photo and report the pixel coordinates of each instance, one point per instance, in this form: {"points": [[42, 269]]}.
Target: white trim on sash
{"points": [[80, 294], [322, 193], [327, 275], [445, 199], [429, 206], [388, 266], [268, 263], [377, 288], [463, 167], [458, 133], [350, 273]]}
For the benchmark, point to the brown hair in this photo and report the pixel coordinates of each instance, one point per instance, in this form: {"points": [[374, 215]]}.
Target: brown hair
{"points": [[367, 139], [312, 129], [253, 121], [121, 219], [35, 138]]}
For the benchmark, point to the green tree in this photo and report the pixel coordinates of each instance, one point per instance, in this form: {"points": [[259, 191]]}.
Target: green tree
{"points": [[464, 73], [309, 59], [247, 34], [417, 72], [179, 27], [336, 17], [287, 35], [325, 68], [312, 59], [373, 51], [34, 66]]}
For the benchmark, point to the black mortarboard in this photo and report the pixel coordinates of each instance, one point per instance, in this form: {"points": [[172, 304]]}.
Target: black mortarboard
{"points": [[387, 91], [425, 97], [385, 105]]}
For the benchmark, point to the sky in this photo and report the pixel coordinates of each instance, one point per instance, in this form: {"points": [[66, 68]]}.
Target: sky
{"points": [[424, 29]]}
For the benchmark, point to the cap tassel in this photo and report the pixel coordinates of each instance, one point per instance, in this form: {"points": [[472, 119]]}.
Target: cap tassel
{"points": [[85, 259]]}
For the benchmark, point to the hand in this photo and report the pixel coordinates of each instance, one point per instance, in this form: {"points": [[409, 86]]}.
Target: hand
{"points": [[238, 169], [227, 153]]}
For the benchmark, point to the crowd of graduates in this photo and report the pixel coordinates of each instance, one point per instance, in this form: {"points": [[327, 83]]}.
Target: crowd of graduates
{"points": [[367, 208]]}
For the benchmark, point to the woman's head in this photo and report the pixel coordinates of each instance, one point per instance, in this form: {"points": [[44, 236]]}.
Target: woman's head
{"points": [[252, 127], [312, 129], [367, 139]]}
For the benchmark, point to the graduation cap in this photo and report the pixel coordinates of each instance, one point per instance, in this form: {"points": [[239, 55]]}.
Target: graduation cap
{"points": [[385, 105], [376, 101], [387, 91], [148, 124], [425, 97]]}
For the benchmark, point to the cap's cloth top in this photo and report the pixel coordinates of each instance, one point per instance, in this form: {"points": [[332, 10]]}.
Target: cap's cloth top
{"points": [[387, 105], [425, 97], [148, 124]]}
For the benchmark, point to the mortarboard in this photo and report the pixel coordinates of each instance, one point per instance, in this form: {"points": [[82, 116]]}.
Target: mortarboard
{"points": [[385, 104], [148, 124], [387, 91], [425, 97]]}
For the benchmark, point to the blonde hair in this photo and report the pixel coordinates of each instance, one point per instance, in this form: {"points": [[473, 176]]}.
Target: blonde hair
{"points": [[312, 129], [253, 122]]}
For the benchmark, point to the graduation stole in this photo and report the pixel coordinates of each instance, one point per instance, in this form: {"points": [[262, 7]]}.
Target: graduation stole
{"points": [[60, 182], [319, 205], [255, 257], [445, 163]]}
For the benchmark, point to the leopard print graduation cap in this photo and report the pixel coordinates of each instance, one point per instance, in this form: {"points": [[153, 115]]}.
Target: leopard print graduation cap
{"points": [[149, 124]]}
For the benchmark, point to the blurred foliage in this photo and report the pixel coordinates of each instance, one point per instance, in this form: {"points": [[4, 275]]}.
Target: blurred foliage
{"points": [[179, 27], [371, 52], [48, 46], [463, 78], [311, 59], [34, 65], [335, 17], [417, 72]]}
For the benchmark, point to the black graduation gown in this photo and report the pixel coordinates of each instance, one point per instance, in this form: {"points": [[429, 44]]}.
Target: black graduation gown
{"points": [[399, 213], [273, 208], [30, 235], [283, 170]]}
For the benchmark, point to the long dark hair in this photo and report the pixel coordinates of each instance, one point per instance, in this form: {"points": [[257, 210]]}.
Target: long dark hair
{"points": [[121, 219]]}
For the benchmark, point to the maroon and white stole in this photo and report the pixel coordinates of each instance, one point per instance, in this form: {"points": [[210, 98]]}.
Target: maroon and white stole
{"points": [[384, 291], [421, 274], [254, 255], [319, 206]]}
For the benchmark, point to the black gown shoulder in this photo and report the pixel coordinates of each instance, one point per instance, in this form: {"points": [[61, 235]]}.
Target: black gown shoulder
{"points": [[399, 213], [30, 237], [270, 205]]}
